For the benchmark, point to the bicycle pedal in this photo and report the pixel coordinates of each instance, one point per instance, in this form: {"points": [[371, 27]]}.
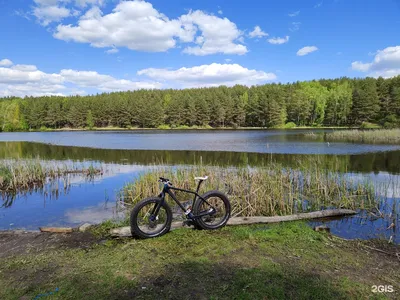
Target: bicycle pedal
{"points": [[188, 223]]}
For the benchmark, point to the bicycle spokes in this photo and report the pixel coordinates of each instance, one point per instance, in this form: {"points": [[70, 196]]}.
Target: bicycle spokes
{"points": [[150, 223], [212, 211]]}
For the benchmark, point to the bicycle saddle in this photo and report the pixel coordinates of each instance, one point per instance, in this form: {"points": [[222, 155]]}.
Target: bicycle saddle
{"points": [[201, 178]]}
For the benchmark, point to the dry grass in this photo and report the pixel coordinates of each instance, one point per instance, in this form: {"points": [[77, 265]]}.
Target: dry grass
{"points": [[262, 191], [381, 136], [18, 176]]}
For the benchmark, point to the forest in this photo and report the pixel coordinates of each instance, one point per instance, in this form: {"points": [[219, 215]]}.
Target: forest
{"points": [[326, 102]]}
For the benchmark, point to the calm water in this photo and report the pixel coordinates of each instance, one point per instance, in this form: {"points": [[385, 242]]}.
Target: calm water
{"points": [[125, 154], [256, 141]]}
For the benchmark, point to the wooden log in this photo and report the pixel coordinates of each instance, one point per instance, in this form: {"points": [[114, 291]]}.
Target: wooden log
{"points": [[126, 231], [295, 217], [56, 229]]}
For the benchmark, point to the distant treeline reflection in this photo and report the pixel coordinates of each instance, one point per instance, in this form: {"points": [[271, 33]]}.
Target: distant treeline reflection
{"points": [[365, 163]]}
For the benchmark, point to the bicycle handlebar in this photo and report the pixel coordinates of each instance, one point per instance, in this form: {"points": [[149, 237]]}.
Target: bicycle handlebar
{"points": [[165, 180]]}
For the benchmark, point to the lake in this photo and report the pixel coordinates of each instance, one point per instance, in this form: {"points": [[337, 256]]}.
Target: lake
{"points": [[126, 154]]}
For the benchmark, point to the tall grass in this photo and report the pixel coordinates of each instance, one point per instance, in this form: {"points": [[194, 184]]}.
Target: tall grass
{"points": [[380, 136], [262, 191], [18, 176]]}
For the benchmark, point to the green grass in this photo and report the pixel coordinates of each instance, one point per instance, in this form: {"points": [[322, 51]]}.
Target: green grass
{"points": [[281, 261], [379, 136], [262, 191]]}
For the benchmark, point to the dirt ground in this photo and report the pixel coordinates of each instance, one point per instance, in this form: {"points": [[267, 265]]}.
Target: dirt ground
{"points": [[19, 242]]}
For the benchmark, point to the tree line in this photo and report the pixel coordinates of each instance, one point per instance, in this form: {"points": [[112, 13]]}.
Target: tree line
{"points": [[325, 102]]}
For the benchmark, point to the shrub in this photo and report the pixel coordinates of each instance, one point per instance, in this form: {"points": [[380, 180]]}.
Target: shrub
{"points": [[164, 126], [290, 125], [368, 125]]}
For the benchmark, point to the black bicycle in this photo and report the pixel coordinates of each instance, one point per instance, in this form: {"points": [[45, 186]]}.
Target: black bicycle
{"points": [[152, 217]]}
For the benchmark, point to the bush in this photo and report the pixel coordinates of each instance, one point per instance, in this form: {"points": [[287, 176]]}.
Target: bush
{"points": [[368, 125], [164, 126], [290, 125], [43, 128], [182, 127]]}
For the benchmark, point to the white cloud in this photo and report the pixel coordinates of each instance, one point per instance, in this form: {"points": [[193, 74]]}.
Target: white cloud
{"points": [[27, 80], [84, 3], [278, 40], [359, 66], [294, 14], [319, 4], [294, 26], [257, 32], [47, 2], [112, 51], [23, 14], [209, 75], [386, 63], [133, 24], [5, 62], [220, 12], [137, 25], [93, 79], [27, 74], [306, 50], [219, 35], [48, 14]]}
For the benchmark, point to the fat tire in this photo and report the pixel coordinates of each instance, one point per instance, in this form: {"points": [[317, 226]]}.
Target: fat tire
{"points": [[135, 230], [199, 222]]}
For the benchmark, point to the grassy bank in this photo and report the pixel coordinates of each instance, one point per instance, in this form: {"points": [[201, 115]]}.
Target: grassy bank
{"points": [[266, 191], [380, 136], [286, 261], [18, 175]]}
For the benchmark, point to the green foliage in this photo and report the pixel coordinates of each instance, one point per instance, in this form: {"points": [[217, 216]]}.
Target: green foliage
{"points": [[164, 126], [368, 125], [290, 125], [89, 120], [338, 102]]}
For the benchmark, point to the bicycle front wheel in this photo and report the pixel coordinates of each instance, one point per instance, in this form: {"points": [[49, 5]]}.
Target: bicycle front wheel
{"points": [[145, 223], [215, 209]]}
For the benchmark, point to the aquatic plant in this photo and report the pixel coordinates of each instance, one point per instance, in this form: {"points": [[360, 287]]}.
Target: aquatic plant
{"points": [[263, 191], [380, 136], [22, 175]]}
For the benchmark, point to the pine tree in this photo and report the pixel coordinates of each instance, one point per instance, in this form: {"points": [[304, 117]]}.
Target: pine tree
{"points": [[89, 120]]}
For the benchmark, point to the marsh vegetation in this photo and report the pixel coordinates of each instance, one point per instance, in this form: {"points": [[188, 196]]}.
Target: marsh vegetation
{"points": [[263, 191]]}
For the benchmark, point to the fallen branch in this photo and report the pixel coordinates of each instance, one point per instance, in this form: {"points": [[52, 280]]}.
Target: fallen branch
{"points": [[126, 231], [56, 229]]}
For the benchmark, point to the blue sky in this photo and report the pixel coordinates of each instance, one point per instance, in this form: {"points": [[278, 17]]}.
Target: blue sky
{"points": [[86, 46]]}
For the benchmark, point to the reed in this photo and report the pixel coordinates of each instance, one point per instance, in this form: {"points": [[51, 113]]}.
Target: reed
{"points": [[262, 191], [380, 136], [21, 175]]}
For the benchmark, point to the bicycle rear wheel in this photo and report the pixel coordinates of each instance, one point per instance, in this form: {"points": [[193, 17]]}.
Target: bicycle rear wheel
{"points": [[218, 203], [145, 224]]}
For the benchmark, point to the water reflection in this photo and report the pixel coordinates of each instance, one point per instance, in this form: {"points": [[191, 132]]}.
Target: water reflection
{"points": [[93, 214], [364, 163], [92, 199]]}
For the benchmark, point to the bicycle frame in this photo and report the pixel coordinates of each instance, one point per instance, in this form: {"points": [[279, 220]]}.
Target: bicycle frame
{"points": [[167, 189]]}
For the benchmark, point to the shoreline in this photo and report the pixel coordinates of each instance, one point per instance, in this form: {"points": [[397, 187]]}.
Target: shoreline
{"points": [[66, 129]]}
